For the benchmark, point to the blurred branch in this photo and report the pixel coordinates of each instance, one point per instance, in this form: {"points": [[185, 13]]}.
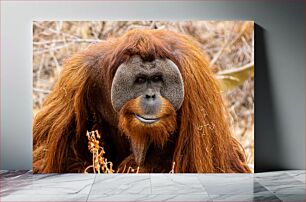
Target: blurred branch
{"points": [[229, 43], [47, 50], [41, 90], [67, 40]]}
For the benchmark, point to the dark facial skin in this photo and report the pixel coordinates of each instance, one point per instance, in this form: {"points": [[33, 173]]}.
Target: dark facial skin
{"points": [[149, 82]]}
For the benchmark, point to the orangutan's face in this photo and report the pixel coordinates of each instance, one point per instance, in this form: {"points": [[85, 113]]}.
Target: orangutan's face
{"points": [[147, 96]]}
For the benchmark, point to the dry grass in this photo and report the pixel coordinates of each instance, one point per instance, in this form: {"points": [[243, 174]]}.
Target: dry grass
{"points": [[228, 44]]}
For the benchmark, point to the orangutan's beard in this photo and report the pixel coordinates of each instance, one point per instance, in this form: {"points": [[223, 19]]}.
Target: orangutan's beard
{"points": [[141, 134]]}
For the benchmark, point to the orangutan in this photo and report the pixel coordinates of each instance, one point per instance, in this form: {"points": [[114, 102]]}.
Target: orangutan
{"points": [[154, 100]]}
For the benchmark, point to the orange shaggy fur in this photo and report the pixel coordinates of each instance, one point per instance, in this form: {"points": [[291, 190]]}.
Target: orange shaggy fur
{"points": [[80, 101], [159, 131]]}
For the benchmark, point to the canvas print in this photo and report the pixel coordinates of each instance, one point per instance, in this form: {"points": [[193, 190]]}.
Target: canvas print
{"points": [[143, 96]]}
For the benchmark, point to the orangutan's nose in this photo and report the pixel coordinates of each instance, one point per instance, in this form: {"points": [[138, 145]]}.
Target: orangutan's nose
{"points": [[150, 102]]}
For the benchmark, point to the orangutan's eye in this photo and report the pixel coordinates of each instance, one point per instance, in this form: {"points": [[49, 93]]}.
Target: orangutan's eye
{"points": [[140, 80], [157, 79]]}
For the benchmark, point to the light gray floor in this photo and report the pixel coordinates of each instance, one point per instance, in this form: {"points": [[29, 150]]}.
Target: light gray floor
{"points": [[271, 186]]}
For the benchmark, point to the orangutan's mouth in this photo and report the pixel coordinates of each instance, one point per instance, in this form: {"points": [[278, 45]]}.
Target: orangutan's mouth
{"points": [[146, 119]]}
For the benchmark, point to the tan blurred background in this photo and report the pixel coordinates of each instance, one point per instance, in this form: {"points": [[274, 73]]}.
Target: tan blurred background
{"points": [[228, 44]]}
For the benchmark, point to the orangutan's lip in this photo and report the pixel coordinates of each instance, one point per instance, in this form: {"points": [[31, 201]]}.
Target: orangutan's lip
{"points": [[146, 120]]}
